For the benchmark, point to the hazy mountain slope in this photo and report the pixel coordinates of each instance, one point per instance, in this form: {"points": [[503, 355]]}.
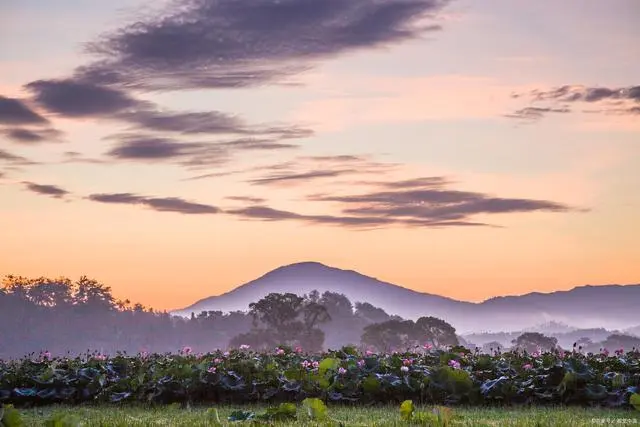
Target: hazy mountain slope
{"points": [[609, 306], [304, 277]]}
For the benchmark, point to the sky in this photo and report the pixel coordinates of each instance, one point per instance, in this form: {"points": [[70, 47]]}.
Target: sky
{"points": [[175, 150]]}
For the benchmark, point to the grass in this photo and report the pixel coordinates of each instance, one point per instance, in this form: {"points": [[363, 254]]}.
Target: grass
{"points": [[137, 416]]}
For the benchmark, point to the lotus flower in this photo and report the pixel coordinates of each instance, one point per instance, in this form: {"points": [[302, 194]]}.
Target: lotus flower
{"points": [[404, 368], [454, 364]]}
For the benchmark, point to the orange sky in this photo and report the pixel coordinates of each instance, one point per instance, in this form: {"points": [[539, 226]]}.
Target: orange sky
{"points": [[553, 180]]}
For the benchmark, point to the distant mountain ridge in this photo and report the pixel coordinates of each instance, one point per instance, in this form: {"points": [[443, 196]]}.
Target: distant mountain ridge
{"points": [[610, 306]]}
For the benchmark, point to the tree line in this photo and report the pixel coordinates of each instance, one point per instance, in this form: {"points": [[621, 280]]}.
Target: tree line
{"points": [[63, 316]]}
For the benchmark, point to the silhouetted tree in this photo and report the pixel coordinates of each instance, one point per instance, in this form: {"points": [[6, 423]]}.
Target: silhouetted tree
{"points": [[534, 341], [618, 341], [435, 331], [389, 335]]}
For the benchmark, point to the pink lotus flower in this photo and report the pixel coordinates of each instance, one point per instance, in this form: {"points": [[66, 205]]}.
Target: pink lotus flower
{"points": [[404, 368], [100, 357], [144, 354], [217, 361], [279, 351], [46, 355], [226, 354], [605, 352], [305, 364], [244, 347], [454, 364], [315, 364], [298, 349], [369, 352], [407, 362], [527, 366], [342, 371], [212, 370], [186, 350], [361, 363], [427, 346]]}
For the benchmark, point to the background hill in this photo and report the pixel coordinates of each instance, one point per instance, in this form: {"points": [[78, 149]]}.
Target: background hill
{"points": [[607, 306]]}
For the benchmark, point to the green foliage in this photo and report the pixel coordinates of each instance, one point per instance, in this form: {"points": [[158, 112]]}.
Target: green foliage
{"points": [[328, 364], [406, 410], [316, 409], [634, 400], [440, 416], [63, 420], [10, 417], [436, 377]]}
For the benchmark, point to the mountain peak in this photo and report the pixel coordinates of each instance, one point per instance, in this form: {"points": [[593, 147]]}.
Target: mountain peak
{"points": [[303, 265]]}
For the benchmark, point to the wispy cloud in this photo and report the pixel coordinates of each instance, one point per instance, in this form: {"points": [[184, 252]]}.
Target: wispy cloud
{"points": [[32, 136], [535, 113], [76, 157], [248, 199], [160, 204], [619, 100], [14, 159], [46, 190], [15, 112], [71, 98], [207, 43], [312, 168], [154, 149], [299, 177], [428, 199]]}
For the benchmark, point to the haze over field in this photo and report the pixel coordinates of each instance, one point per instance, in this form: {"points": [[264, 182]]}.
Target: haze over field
{"points": [[461, 149]]}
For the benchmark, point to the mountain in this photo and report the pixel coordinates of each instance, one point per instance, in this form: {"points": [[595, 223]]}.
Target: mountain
{"points": [[610, 306]]}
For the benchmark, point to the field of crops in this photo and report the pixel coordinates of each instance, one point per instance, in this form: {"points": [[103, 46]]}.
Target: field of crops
{"points": [[286, 380], [349, 416]]}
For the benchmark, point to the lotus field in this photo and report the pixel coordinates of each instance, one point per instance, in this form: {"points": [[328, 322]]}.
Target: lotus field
{"points": [[426, 376]]}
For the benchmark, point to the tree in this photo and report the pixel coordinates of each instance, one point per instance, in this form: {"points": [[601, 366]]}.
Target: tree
{"points": [[435, 331], [371, 313], [93, 295], [291, 319], [277, 311], [338, 305], [618, 341], [388, 335], [534, 341]]}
